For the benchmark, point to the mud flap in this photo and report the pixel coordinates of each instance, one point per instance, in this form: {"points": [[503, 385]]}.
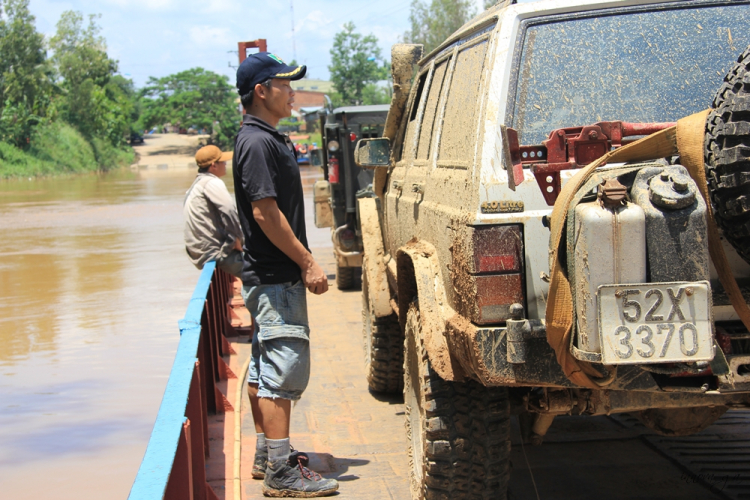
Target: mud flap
{"points": [[373, 263]]}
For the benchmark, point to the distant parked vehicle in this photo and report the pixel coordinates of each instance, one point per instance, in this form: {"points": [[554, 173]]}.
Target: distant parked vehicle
{"points": [[303, 150], [345, 183], [136, 138]]}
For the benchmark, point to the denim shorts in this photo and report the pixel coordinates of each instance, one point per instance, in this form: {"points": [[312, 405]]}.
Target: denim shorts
{"points": [[281, 344]]}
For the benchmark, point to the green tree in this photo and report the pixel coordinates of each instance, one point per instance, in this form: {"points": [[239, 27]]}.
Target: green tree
{"points": [[81, 53], [91, 102], [356, 63], [376, 94], [193, 98], [25, 78], [122, 90], [56, 108], [432, 24]]}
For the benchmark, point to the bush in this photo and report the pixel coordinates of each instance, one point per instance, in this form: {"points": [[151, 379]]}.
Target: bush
{"points": [[109, 157], [64, 146], [58, 148], [17, 163]]}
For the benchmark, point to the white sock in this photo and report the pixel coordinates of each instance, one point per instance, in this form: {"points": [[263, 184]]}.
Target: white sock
{"points": [[260, 444], [278, 449]]}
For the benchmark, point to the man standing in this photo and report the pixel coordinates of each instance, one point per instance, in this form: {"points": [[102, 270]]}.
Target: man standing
{"points": [[278, 268], [212, 227]]}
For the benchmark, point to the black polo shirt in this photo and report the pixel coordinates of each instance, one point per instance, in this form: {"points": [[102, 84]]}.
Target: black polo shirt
{"points": [[265, 166]]}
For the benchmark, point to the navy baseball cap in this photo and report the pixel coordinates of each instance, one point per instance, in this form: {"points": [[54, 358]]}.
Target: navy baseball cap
{"points": [[261, 66]]}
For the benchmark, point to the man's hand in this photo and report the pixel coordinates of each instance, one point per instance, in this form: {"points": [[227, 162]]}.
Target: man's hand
{"points": [[274, 224], [314, 278], [237, 244]]}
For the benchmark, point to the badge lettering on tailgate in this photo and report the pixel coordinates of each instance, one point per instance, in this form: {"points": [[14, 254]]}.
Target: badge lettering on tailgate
{"points": [[497, 207]]}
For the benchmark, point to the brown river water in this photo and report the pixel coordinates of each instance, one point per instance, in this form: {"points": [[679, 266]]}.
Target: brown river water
{"points": [[93, 279]]}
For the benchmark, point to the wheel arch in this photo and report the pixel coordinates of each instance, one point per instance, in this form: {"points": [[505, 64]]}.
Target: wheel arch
{"points": [[419, 277]]}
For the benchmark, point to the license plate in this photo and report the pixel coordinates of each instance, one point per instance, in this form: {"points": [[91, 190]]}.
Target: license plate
{"points": [[655, 323]]}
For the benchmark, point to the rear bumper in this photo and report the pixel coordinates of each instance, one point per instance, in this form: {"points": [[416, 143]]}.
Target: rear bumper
{"points": [[521, 356]]}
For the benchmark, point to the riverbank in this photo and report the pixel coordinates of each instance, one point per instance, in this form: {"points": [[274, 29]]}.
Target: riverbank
{"points": [[58, 149]]}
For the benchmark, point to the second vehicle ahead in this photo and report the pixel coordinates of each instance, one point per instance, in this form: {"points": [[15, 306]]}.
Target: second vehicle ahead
{"points": [[336, 196]]}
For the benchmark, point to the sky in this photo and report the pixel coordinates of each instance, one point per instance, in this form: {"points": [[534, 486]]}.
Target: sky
{"points": [[161, 37]]}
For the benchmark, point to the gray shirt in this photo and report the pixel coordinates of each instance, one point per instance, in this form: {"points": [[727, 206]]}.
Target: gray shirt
{"points": [[211, 221]]}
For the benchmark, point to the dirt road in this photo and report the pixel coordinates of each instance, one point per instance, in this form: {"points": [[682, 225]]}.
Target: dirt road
{"points": [[161, 151]]}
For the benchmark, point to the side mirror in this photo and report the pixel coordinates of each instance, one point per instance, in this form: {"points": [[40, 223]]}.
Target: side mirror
{"points": [[316, 157], [371, 153]]}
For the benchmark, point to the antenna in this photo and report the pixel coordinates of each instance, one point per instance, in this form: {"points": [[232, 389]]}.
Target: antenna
{"points": [[294, 44]]}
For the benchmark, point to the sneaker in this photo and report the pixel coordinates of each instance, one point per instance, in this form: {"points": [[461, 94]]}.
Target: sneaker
{"points": [[259, 464], [292, 478], [261, 460]]}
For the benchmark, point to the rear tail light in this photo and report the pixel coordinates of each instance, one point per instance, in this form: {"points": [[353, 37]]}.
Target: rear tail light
{"points": [[497, 249], [352, 137], [333, 171], [494, 296], [495, 271]]}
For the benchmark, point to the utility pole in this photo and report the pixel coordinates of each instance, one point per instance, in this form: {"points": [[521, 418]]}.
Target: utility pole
{"points": [[294, 44]]}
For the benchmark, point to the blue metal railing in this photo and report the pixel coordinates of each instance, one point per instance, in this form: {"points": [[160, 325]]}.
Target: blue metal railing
{"points": [[174, 463]]}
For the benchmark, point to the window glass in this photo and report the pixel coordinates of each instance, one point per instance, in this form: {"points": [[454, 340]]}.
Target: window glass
{"points": [[412, 125], [371, 131], [431, 107], [655, 66], [458, 136]]}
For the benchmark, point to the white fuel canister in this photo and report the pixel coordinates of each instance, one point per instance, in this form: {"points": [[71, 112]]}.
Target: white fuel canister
{"points": [[609, 248]]}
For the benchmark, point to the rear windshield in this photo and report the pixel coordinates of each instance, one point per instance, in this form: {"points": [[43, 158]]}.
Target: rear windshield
{"points": [[655, 66]]}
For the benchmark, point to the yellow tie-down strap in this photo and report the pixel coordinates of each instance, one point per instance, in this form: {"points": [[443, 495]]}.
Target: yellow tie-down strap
{"points": [[684, 139]]}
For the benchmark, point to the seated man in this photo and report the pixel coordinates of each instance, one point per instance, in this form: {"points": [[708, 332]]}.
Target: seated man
{"points": [[212, 227]]}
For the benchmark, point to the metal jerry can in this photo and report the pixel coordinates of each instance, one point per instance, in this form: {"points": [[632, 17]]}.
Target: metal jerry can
{"points": [[609, 248], [676, 227]]}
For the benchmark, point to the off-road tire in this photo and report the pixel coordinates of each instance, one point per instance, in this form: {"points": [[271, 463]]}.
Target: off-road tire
{"points": [[344, 277], [727, 155], [384, 344], [458, 432]]}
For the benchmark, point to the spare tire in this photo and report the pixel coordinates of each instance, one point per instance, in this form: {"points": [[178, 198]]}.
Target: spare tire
{"points": [[727, 155]]}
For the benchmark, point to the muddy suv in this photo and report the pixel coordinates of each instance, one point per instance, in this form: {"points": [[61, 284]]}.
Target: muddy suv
{"points": [[336, 196], [485, 221]]}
